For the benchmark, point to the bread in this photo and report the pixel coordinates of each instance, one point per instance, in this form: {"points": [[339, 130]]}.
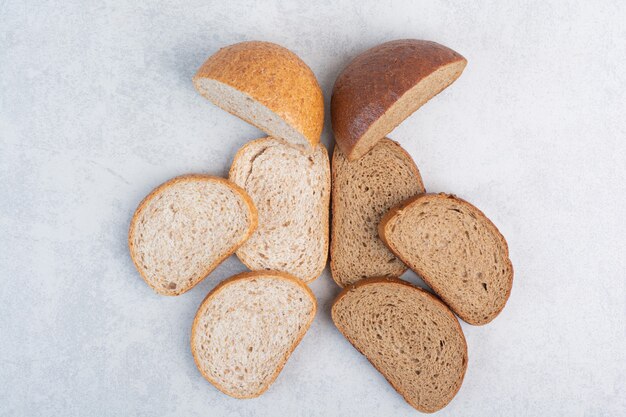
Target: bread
{"points": [[410, 336], [266, 85], [246, 329], [364, 190], [291, 190], [184, 228], [458, 252], [384, 85]]}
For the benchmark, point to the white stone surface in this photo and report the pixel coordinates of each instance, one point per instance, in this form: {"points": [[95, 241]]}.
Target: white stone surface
{"points": [[97, 108]]}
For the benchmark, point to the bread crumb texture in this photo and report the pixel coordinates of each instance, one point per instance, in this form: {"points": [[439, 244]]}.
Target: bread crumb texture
{"points": [[363, 191], [408, 335], [457, 251], [245, 331], [186, 227], [291, 189]]}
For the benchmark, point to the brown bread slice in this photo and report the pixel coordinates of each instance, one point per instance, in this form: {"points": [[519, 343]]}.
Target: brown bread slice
{"points": [[410, 336], [246, 329], [384, 85], [458, 252], [363, 191], [186, 227], [268, 86], [291, 190]]}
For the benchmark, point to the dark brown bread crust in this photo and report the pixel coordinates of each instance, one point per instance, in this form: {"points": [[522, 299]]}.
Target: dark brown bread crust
{"points": [[428, 280], [376, 79], [433, 298]]}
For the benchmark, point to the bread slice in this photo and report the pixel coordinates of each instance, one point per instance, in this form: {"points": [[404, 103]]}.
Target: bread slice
{"points": [[384, 85], [363, 191], [246, 329], [186, 227], [268, 86], [291, 190], [458, 252], [410, 336]]}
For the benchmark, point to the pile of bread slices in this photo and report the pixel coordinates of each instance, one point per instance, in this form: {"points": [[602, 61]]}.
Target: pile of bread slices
{"points": [[273, 212]]}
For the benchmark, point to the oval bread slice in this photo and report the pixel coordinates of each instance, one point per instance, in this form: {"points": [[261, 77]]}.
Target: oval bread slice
{"points": [[458, 252], [363, 191], [291, 190], [186, 227], [268, 86], [410, 336], [384, 85], [246, 329]]}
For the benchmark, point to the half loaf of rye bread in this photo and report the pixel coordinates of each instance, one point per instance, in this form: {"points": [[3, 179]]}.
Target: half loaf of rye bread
{"points": [[456, 249], [384, 85], [291, 190], [363, 191], [410, 336], [246, 329]]}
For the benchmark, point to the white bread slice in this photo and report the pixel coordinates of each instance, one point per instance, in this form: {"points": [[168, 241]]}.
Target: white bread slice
{"points": [[246, 329], [268, 86], [362, 192], [384, 85], [409, 336], [291, 190], [456, 249], [186, 227]]}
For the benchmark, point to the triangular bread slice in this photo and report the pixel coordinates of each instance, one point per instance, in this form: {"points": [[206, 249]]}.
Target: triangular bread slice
{"points": [[456, 249], [268, 86], [291, 190], [410, 336], [384, 85], [363, 191], [186, 227], [246, 329]]}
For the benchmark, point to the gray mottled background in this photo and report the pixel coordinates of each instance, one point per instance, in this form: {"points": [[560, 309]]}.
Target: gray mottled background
{"points": [[97, 108]]}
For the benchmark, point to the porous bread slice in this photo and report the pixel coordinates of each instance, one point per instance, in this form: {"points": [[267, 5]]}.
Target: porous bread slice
{"points": [[409, 336], [384, 85], [458, 252], [246, 329], [268, 86], [363, 191], [186, 227], [291, 190]]}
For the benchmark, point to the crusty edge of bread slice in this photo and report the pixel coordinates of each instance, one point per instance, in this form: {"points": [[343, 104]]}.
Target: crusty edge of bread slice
{"points": [[433, 298], [251, 275], [416, 174], [254, 219], [325, 215], [398, 209]]}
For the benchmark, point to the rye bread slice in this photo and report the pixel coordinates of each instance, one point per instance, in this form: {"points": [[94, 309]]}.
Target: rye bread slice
{"points": [[363, 191], [186, 227], [409, 336], [268, 86], [291, 190], [384, 85], [246, 329], [456, 249]]}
